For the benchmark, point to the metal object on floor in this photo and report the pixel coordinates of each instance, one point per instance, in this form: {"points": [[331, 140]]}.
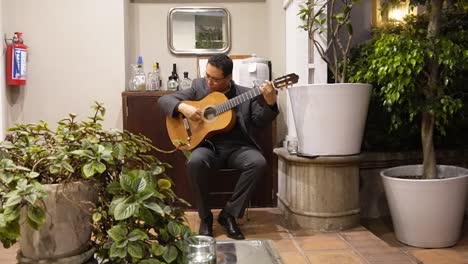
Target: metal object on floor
{"points": [[247, 252]]}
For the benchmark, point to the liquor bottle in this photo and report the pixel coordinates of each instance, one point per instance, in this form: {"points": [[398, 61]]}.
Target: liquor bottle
{"points": [[138, 78], [174, 72], [173, 82], [186, 82], [154, 79]]}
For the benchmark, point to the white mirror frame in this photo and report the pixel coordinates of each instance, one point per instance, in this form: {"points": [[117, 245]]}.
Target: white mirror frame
{"points": [[196, 51]]}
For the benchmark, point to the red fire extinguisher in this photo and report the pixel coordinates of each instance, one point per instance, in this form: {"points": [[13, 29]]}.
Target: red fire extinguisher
{"points": [[16, 61]]}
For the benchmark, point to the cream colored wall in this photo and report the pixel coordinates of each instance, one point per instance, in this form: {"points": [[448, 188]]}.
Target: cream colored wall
{"points": [[3, 102], [256, 27], [77, 55]]}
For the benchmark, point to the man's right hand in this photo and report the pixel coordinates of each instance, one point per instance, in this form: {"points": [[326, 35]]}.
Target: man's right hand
{"points": [[191, 112]]}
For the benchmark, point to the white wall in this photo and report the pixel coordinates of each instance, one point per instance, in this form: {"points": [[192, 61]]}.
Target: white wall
{"points": [[252, 24], [76, 56], [3, 102]]}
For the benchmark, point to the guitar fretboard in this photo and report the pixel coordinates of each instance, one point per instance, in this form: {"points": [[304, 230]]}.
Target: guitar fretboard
{"points": [[233, 102]]}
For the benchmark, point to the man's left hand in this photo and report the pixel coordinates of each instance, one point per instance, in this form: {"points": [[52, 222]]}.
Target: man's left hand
{"points": [[269, 93]]}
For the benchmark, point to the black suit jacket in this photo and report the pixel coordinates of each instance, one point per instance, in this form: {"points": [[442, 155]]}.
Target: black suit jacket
{"points": [[250, 114]]}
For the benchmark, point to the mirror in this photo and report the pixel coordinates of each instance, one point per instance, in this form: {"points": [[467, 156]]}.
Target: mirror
{"points": [[198, 30]]}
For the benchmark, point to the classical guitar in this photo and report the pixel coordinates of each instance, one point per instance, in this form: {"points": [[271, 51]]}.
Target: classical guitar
{"points": [[217, 115]]}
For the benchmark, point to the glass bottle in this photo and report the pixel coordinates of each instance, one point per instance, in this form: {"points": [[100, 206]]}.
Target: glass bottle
{"points": [[172, 84], [186, 82], [140, 77], [154, 80], [137, 81]]}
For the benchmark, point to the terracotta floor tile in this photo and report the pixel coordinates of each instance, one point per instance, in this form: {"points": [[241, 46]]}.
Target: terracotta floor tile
{"points": [[311, 247], [8, 256], [440, 256], [285, 245], [293, 258], [358, 236], [334, 257], [321, 242]]}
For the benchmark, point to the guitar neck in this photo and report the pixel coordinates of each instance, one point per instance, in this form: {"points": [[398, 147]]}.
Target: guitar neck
{"points": [[278, 83], [233, 102]]}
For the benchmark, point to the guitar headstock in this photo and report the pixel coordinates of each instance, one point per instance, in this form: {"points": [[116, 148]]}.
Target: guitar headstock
{"points": [[285, 81]]}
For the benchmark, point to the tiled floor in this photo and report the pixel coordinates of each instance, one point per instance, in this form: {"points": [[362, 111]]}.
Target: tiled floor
{"points": [[453, 255], [357, 245]]}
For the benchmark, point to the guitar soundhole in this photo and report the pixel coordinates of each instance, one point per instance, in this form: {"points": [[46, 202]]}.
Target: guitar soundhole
{"points": [[210, 113]]}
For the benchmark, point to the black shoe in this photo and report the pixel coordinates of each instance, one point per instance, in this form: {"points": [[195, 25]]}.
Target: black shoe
{"points": [[230, 225], [206, 227]]}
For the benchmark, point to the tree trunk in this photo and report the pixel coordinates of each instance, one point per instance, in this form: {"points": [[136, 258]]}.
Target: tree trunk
{"points": [[427, 126], [427, 132]]}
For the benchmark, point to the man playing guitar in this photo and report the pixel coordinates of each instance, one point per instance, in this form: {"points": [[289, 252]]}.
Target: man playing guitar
{"points": [[235, 148]]}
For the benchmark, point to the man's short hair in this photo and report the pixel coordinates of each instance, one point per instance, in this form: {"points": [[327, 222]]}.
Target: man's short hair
{"points": [[222, 62]]}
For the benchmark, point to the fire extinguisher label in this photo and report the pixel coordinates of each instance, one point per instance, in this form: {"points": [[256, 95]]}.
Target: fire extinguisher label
{"points": [[19, 64]]}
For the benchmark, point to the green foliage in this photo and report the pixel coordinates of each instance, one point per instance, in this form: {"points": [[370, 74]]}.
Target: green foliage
{"points": [[209, 38], [333, 21], [396, 62], [138, 218]]}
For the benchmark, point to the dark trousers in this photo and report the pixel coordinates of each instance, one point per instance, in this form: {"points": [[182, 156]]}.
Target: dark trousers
{"points": [[207, 159]]}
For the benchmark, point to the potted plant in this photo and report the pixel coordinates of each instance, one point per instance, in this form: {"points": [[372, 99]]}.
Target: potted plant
{"points": [[417, 67], [57, 187], [330, 118]]}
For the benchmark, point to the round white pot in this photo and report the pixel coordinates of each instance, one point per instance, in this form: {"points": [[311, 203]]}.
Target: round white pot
{"points": [[67, 231], [330, 118], [426, 213]]}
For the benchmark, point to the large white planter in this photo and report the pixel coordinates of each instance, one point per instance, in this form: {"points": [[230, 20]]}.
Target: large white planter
{"points": [[330, 118], [426, 213], [65, 236]]}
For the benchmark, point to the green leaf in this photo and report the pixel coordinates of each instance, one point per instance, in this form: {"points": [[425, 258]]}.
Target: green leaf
{"points": [[146, 216], [121, 243], [7, 144], [32, 174], [126, 182], [31, 198], [137, 234], [145, 194], [158, 170], [68, 167], [78, 152], [119, 151], [124, 210], [118, 232], [99, 166], [173, 229], [171, 254], [135, 250], [37, 215], [11, 213], [6, 177], [158, 249], [155, 207], [13, 199], [87, 170], [113, 188], [150, 261], [187, 154], [96, 217], [139, 185], [116, 252], [164, 184]]}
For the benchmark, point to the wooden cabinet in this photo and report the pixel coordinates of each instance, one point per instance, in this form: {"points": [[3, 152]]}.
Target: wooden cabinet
{"points": [[141, 115]]}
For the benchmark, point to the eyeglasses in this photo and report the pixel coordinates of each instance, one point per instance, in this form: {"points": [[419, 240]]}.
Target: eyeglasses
{"points": [[213, 80]]}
